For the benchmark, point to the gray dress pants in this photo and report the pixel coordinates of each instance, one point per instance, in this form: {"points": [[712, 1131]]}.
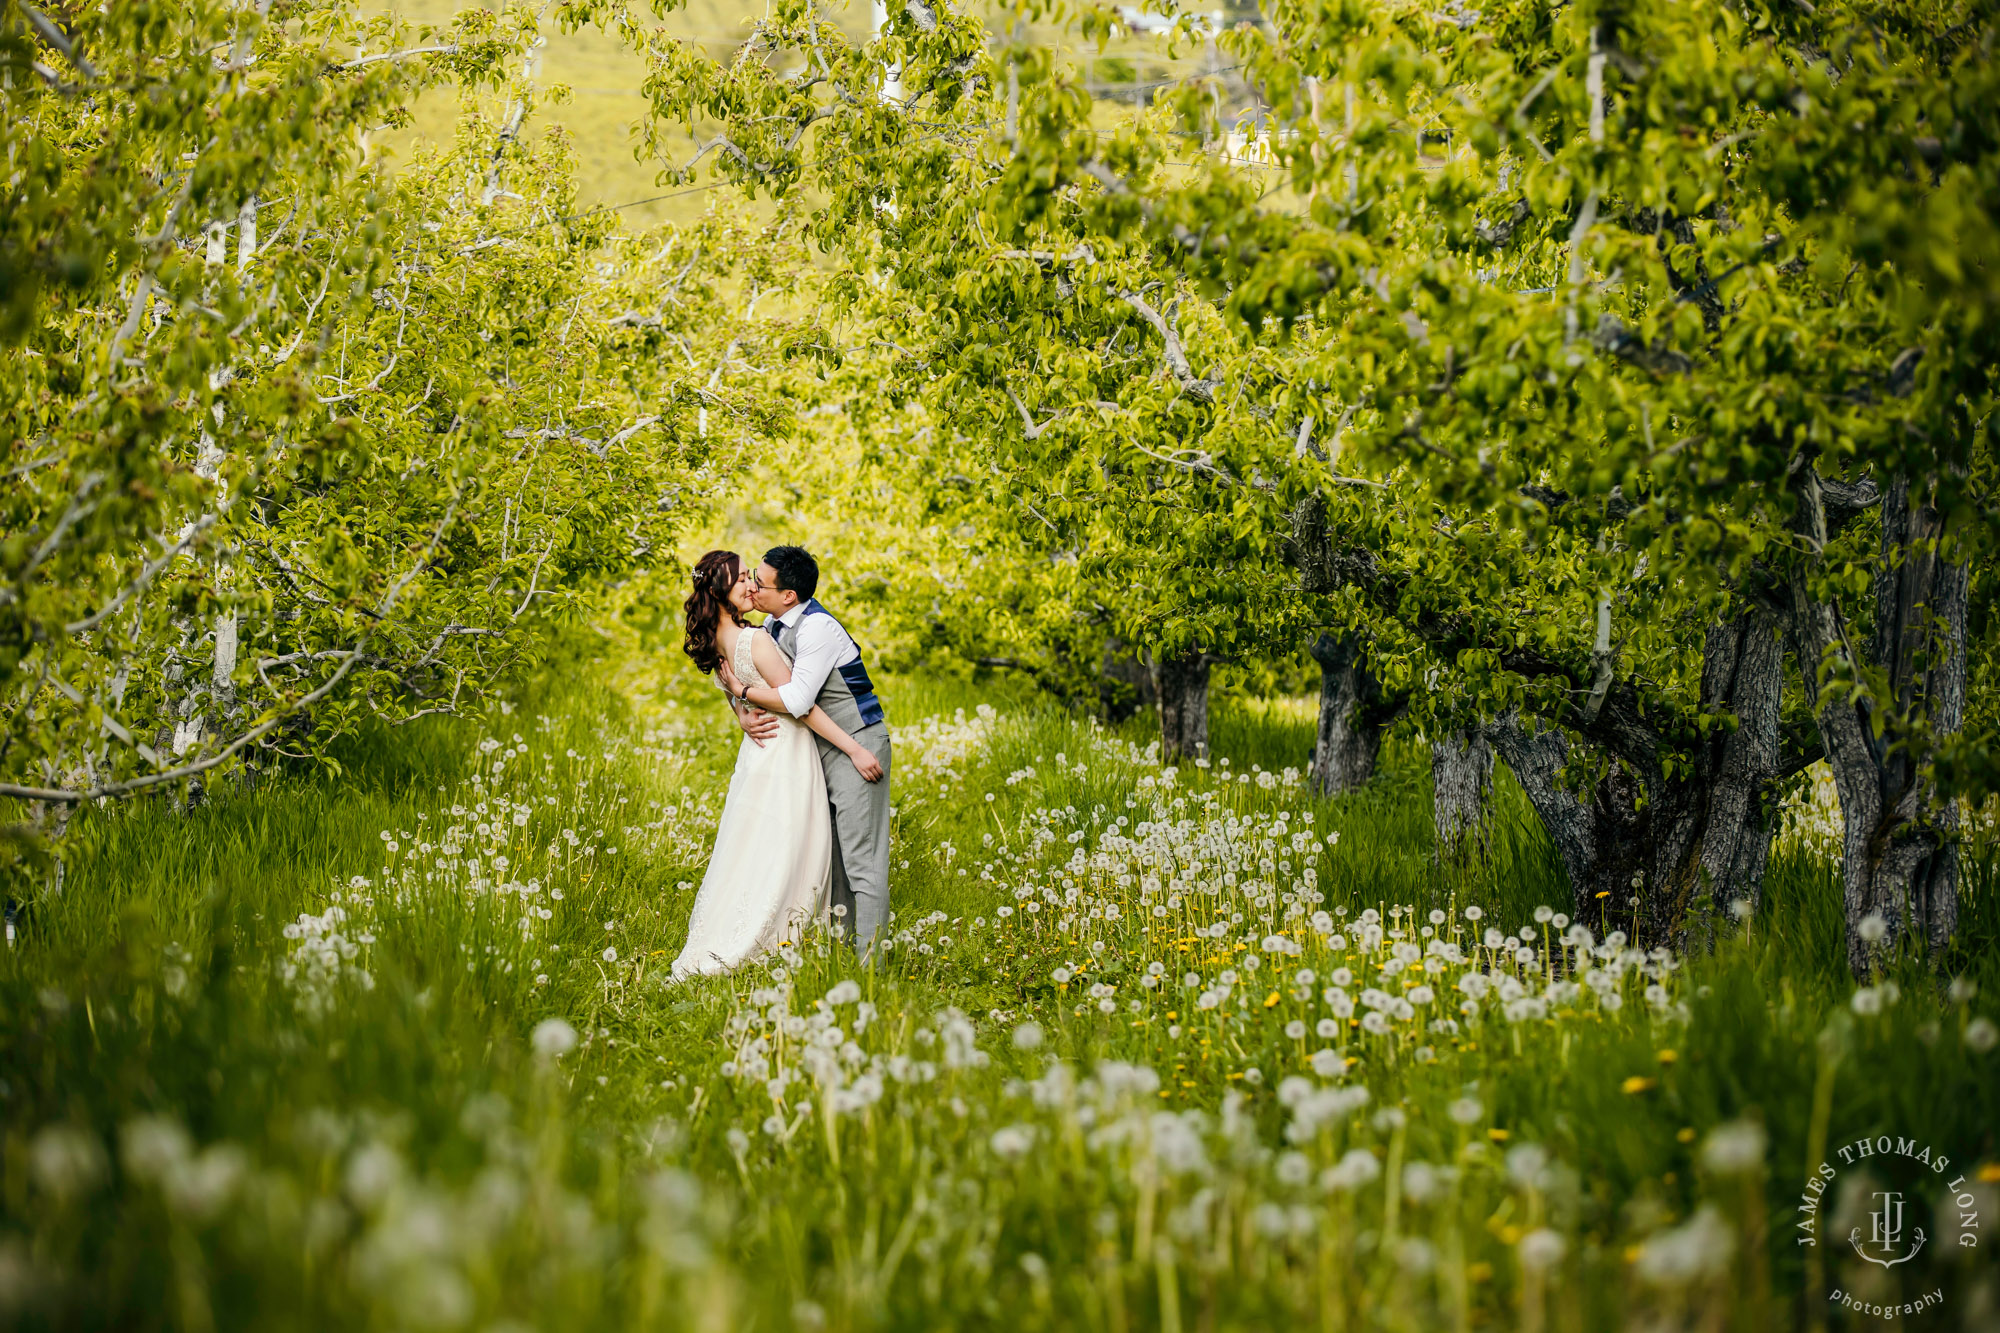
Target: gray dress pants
{"points": [[860, 837]]}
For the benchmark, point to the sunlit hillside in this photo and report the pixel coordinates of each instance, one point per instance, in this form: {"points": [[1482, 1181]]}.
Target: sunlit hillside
{"points": [[603, 78]]}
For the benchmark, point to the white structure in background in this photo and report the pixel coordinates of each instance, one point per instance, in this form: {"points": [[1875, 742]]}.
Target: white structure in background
{"points": [[1247, 149], [892, 79], [1139, 21], [892, 92]]}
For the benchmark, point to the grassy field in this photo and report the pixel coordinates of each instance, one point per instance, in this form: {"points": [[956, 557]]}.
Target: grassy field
{"points": [[1152, 1049], [604, 79]]}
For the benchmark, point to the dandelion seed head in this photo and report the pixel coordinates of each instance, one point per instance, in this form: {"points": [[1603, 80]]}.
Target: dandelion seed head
{"points": [[553, 1038], [1734, 1148], [1541, 1250]]}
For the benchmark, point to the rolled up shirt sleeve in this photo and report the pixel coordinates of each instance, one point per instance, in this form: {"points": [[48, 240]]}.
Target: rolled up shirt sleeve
{"points": [[820, 645]]}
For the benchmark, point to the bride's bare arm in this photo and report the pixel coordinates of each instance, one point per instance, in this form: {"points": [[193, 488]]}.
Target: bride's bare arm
{"points": [[771, 664], [757, 724]]}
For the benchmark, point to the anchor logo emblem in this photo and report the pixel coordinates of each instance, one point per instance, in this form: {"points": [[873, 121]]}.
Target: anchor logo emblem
{"points": [[1885, 1233]]}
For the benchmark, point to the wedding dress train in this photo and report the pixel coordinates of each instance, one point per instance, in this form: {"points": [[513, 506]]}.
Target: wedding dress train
{"points": [[770, 871]]}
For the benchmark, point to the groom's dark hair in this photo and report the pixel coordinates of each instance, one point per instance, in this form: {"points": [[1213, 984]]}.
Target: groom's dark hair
{"points": [[797, 571]]}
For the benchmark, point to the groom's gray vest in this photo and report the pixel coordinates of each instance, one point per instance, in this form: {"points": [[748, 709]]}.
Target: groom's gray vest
{"points": [[848, 695]]}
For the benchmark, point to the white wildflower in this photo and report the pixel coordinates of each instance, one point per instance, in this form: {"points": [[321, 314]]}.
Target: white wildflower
{"points": [[553, 1038], [1734, 1148]]}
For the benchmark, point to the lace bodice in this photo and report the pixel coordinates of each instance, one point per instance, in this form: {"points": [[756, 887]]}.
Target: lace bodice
{"points": [[744, 659]]}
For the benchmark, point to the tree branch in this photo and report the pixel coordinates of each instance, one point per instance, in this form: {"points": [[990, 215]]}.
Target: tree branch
{"points": [[146, 574], [263, 728], [77, 509], [1028, 426], [1176, 356], [361, 62], [57, 40]]}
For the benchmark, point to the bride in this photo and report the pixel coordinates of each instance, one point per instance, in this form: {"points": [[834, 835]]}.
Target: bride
{"points": [[771, 868]]}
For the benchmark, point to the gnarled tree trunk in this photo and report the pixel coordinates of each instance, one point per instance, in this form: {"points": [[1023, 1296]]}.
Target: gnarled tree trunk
{"points": [[1900, 859], [1182, 686], [1656, 849], [1461, 791], [1742, 669], [1353, 716], [1663, 854], [1599, 836]]}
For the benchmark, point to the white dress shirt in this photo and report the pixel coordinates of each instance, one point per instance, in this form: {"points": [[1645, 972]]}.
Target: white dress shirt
{"points": [[823, 647]]}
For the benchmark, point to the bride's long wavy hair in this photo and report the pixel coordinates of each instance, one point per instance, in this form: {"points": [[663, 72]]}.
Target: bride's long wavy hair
{"points": [[707, 602]]}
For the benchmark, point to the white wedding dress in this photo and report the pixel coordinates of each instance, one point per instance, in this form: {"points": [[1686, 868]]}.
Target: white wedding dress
{"points": [[770, 872]]}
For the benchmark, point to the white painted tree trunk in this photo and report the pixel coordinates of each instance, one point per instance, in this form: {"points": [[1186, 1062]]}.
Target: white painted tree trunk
{"points": [[216, 700]]}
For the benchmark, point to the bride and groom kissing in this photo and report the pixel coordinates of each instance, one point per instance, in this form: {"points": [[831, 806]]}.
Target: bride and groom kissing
{"points": [[805, 828]]}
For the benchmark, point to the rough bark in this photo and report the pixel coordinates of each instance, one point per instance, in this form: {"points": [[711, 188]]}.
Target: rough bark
{"points": [[1353, 716], [1687, 840], [1899, 853], [1665, 855], [1461, 790], [1595, 845], [1182, 686], [1742, 668]]}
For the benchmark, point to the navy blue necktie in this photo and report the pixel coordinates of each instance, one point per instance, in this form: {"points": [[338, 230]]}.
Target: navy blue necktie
{"points": [[775, 625]]}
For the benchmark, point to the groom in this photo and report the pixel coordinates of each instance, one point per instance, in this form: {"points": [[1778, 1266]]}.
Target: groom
{"points": [[827, 670]]}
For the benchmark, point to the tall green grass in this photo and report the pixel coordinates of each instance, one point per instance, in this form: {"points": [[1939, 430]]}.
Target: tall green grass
{"points": [[193, 1141]]}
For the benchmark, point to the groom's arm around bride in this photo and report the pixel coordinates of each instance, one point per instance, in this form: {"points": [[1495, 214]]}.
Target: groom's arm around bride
{"points": [[828, 670]]}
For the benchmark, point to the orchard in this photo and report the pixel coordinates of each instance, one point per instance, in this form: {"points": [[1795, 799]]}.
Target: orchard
{"points": [[1431, 572]]}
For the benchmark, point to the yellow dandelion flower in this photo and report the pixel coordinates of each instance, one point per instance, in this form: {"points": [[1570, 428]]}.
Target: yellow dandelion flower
{"points": [[1636, 1084]]}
